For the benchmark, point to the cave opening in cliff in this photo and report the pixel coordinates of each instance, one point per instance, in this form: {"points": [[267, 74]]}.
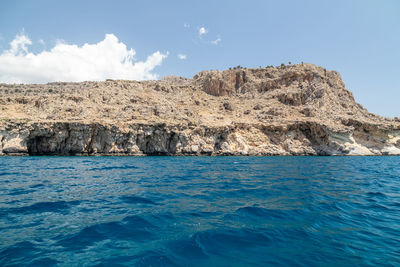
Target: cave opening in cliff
{"points": [[38, 146], [42, 146]]}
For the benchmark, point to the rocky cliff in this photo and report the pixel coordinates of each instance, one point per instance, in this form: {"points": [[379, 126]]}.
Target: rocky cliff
{"points": [[290, 110]]}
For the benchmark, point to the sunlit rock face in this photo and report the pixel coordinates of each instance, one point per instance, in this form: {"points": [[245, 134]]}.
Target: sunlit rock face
{"points": [[290, 110]]}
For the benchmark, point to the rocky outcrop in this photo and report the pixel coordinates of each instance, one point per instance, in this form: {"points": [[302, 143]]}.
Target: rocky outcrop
{"points": [[296, 138], [292, 110]]}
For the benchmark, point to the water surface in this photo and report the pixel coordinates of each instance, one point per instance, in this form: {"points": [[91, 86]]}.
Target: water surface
{"points": [[199, 211]]}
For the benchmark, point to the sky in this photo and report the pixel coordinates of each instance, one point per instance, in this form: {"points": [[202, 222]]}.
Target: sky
{"points": [[43, 40]]}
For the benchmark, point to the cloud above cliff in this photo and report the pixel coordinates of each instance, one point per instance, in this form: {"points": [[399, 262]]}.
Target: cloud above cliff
{"points": [[107, 59], [202, 31], [216, 41], [182, 56]]}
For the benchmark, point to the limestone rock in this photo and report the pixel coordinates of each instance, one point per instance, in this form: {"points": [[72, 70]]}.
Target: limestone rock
{"points": [[290, 110]]}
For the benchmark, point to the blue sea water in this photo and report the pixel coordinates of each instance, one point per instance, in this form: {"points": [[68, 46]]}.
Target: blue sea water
{"points": [[200, 211]]}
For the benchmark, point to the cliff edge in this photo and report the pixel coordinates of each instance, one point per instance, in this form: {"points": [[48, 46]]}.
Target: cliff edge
{"points": [[289, 110]]}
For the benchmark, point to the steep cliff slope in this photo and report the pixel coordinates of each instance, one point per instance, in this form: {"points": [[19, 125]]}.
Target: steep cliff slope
{"points": [[290, 110]]}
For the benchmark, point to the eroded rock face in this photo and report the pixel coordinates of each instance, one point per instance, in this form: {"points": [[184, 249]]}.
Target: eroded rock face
{"points": [[297, 138], [293, 110]]}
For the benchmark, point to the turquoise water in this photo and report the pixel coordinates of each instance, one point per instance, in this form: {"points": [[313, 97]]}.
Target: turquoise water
{"points": [[200, 211]]}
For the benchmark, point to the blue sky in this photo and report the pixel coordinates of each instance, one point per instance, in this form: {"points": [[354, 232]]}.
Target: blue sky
{"points": [[360, 39]]}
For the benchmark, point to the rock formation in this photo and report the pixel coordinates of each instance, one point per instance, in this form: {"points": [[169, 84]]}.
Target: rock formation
{"points": [[289, 110]]}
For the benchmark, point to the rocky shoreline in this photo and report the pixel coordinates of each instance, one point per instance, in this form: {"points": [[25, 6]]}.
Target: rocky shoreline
{"points": [[308, 138], [292, 110]]}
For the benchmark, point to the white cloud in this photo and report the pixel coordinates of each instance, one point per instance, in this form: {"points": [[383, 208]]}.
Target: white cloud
{"points": [[18, 46], [202, 31], [186, 25], [216, 41], [182, 56], [107, 59], [41, 42]]}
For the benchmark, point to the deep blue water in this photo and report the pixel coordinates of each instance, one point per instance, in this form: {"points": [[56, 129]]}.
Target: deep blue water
{"points": [[200, 211]]}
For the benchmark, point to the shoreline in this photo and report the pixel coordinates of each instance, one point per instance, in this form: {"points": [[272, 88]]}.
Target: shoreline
{"points": [[296, 138]]}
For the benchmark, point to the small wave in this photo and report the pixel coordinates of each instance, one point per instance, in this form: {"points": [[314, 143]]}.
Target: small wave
{"points": [[83, 238], [152, 258], [119, 261], [22, 173], [262, 192], [36, 186], [61, 168], [202, 214], [19, 191], [254, 211], [19, 253], [163, 218], [221, 239], [395, 204], [378, 207], [107, 168], [187, 248], [137, 200], [46, 261], [136, 221], [202, 245], [260, 212], [131, 228], [9, 173], [376, 194], [20, 226], [40, 207]]}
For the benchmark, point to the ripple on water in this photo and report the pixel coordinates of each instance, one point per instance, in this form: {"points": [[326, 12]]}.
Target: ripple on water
{"points": [[25, 253], [131, 228], [40, 207], [107, 168], [137, 200], [240, 246], [19, 191], [375, 194], [37, 186], [153, 258], [199, 211]]}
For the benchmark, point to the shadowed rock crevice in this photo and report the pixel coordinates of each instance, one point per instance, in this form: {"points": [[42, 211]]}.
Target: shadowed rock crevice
{"points": [[39, 145]]}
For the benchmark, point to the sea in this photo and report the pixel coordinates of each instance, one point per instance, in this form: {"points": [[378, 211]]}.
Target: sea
{"points": [[199, 211]]}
